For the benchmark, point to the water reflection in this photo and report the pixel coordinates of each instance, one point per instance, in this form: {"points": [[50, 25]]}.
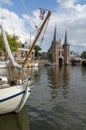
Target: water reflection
{"points": [[66, 78], [13, 121], [83, 69], [58, 99], [32, 71], [59, 78]]}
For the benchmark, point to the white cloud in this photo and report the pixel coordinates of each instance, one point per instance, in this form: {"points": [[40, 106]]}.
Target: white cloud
{"points": [[13, 24], [74, 20], [67, 3], [23, 26], [70, 15]]}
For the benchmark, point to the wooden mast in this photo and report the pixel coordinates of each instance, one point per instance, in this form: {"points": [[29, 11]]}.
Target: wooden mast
{"points": [[35, 40], [37, 36]]}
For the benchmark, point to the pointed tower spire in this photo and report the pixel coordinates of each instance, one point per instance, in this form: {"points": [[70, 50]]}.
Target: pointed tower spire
{"points": [[54, 37], [60, 40], [65, 40]]}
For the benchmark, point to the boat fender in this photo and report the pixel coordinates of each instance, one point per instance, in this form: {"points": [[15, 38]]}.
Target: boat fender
{"points": [[0, 79], [20, 81], [12, 82], [29, 91]]}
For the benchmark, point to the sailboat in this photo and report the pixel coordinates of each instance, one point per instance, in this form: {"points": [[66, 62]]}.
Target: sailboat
{"points": [[15, 90]]}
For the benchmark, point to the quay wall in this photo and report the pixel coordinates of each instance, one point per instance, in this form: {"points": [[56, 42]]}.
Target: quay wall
{"points": [[43, 62]]}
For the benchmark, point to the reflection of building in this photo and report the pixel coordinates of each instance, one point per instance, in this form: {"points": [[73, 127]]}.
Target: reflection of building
{"points": [[59, 54], [59, 78], [54, 73], [59, 75]]}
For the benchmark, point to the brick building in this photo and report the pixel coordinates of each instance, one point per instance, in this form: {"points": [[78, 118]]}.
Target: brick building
{"points": [[59, 54]]}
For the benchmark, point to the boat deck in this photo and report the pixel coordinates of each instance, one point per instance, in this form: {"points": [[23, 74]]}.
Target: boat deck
{"points": [[3, 84]]}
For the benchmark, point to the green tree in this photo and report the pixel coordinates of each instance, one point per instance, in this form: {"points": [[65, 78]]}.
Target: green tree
{"points": [[83, 55], [13, 41], [2, 48], [37, 49]]}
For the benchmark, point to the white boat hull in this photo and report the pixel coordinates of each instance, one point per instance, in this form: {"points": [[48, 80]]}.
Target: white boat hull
{"points": [[11, 97], [35, 64]]}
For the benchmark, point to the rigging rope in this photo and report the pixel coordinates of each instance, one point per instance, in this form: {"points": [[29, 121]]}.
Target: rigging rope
{"points": [[44, 31], [12, 23], [34, 32], [28, 13], [43, 35]]}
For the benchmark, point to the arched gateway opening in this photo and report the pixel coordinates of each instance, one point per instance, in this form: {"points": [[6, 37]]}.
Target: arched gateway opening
{"points": [[60, 61]]}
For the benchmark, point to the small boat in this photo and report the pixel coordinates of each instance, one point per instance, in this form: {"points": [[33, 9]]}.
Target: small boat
{"points": [[32, 63], [35, 64], [3, 64], [15, 88], [13, 92]]}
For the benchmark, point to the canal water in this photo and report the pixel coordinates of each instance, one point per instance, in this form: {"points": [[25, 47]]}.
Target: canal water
{"points": [[57, 101]]}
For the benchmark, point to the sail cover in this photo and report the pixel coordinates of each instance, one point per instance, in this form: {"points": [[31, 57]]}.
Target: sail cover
{"points": [[8, 48]]}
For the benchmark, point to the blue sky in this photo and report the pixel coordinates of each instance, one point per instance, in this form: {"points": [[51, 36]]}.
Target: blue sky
{"points": [[20, 6], [19, 16]]}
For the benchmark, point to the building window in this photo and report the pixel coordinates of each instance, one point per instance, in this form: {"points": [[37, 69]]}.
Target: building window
{"points": [[22, 55]]}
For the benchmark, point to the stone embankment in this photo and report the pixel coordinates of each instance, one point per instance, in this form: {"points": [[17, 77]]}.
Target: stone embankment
{"points": [[43, 62]]}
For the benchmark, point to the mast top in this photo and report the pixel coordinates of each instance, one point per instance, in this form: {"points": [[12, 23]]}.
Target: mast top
{"points": [[66, 40], [54, 37]]}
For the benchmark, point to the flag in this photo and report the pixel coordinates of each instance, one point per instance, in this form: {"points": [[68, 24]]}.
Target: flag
{"points": [[42, 12]]}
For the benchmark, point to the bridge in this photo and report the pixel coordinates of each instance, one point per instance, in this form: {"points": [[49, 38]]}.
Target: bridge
{"points": [[78, 61]]}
